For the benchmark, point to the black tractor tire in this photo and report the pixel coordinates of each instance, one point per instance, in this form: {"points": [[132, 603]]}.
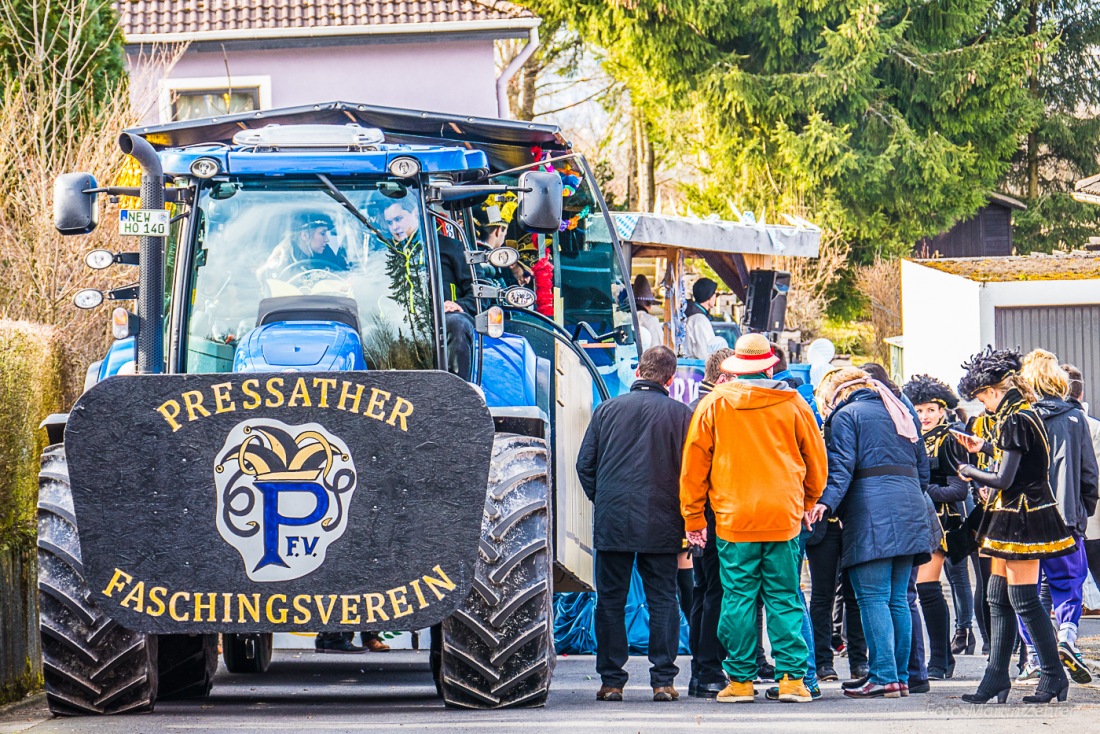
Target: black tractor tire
{"points": [[235, 652], [498, 648], [186, 665], [91, 664]]}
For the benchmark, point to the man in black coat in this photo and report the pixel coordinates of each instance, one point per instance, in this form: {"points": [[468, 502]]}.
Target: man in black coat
{"points": [[629, 466]]}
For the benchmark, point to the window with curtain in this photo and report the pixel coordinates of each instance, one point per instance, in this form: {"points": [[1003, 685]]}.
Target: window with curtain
{"points": [[189, 104]]}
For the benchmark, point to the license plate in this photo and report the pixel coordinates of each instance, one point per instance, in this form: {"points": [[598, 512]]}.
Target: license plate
{"points": [[143, 222]]}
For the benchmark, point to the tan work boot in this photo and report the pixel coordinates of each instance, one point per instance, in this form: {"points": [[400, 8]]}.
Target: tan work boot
{"points": [[792, 690], [665, 693], [607, 693], [738, 691]]}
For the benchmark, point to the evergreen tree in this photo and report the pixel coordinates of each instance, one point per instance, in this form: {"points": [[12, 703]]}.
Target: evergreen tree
{"points": [[888, 120], [1065, 144], [69, 49]]}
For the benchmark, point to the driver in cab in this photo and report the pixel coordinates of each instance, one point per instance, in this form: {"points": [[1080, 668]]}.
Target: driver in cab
{"points": [[306, 247]]}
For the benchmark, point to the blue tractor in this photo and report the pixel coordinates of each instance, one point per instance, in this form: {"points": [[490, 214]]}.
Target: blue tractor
{"points": [[277, 440]]}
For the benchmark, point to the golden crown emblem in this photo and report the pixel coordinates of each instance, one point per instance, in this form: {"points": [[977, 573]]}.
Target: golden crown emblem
{"points": [[271, 454]]}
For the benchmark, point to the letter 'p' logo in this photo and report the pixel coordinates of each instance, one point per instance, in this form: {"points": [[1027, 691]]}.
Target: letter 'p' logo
{"points": [[283, 496]]}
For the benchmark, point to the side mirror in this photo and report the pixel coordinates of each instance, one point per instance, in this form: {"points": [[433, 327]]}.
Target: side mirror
{"points": [[540, 207], [75, 212]]}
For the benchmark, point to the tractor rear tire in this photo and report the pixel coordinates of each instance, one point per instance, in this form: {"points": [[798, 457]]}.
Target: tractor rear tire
{"points": [[498, 648], [91, 664], [235, 652], [186, 665]]}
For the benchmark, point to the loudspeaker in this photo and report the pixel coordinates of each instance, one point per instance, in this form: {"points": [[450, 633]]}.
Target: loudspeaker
{"points": [[766, 300]]}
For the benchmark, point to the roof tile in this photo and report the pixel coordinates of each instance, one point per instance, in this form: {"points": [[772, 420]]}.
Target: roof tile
{"points": [[140, 17]]}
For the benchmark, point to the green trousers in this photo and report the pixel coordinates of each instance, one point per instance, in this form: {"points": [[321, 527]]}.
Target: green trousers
{"points": [[770, 571]]}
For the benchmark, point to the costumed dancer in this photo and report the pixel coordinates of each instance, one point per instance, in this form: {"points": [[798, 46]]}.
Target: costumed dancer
{"points": [[1021, 524], [651, 332], [933, 400], [1073, 480], [701, 341]]}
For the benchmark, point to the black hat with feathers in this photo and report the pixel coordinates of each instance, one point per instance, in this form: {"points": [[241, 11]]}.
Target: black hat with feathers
{"points": [[987, 368], [927, 389]]}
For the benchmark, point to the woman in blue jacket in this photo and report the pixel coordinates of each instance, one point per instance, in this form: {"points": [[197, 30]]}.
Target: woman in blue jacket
{"points": [[877, 474]]}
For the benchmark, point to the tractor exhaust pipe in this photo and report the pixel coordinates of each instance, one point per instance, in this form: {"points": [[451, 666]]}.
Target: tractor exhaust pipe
{"points": [[150, 305]]}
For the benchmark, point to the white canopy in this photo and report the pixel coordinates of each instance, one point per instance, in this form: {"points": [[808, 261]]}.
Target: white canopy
{"points": [[659, 231]]}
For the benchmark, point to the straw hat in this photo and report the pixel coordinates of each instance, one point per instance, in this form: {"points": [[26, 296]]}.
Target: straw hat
{"points": [[751, 354]]}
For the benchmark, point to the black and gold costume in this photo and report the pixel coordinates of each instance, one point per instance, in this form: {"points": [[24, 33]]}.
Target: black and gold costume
{"points": [[1022, 522], [947, 491]]}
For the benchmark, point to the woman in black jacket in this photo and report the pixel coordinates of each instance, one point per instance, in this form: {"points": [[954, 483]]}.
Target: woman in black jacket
{"points": [[932, 400], [1073, 482], [1021, 524]]}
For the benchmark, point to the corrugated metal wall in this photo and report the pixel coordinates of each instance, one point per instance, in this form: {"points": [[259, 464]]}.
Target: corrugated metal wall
{"points": [[1071, 332]]}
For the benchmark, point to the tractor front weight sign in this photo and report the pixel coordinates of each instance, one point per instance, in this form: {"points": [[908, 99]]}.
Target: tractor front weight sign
{"points": [[279, 502]]}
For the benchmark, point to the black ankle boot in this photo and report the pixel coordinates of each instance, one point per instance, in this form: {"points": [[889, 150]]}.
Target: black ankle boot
{"points": [[958, 644], [1052, 682]]}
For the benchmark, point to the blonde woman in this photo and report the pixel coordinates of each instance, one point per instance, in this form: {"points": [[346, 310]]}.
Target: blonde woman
{"points": [[1021, 524], [877, 472], [1073, 481]]}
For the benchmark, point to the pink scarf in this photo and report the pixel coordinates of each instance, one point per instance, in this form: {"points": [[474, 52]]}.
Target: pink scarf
{"points": [[899, 414]]}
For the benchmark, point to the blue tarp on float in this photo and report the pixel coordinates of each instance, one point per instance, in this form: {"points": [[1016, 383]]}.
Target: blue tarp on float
{"points": [[575, 622]]}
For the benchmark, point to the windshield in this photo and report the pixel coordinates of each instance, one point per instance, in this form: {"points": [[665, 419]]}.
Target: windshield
{"points": [[258, 239]]}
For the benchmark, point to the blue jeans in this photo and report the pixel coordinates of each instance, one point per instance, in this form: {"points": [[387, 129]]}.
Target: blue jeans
{"points": [[881, 588], [807, 625]]}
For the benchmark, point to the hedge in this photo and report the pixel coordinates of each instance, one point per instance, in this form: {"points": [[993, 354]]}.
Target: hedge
{"points": [[33, 373]]}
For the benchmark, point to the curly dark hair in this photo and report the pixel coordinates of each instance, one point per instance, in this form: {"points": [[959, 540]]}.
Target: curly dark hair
{"points": [[987, 368], [927, 389]]}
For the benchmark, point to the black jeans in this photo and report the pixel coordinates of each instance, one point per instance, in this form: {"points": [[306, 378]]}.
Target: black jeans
{"points": [[707, 652], [824, 569], [658, 572], [460, 344]]}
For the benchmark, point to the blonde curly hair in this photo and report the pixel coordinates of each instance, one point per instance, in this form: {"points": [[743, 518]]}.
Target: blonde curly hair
{"points": [[1044, 375], [828, 396]]}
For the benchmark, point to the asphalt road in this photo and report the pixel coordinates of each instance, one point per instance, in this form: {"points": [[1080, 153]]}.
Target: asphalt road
{"points": [[304, 691]]}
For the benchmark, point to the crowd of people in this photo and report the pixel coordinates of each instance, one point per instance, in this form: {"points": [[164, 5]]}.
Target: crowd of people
{"points": [[883, 490]]}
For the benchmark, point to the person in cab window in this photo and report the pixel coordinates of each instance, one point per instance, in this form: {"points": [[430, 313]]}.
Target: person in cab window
{"points": [[491, 228], [459, 304], [307, 246]]}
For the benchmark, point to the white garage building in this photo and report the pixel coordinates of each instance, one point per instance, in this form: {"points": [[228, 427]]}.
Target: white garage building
{"points": [[952, 307]]}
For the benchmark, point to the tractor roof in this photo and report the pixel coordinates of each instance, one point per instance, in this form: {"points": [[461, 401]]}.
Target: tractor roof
{"points": [[507, 143]]}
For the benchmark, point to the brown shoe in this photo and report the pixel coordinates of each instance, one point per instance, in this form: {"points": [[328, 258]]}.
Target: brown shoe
{"points": [[607, 693], [373, 644], [665, 693]]}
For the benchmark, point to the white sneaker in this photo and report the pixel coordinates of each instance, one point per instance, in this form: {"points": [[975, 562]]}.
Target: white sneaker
{"points": [[1030, 674]]}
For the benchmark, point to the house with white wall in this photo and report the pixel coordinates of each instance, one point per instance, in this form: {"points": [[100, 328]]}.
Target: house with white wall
{"points": [[245, 55], [953, 307]]}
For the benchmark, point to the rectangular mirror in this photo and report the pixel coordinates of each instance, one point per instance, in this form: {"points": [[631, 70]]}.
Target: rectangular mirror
{"points": [[540, 208], [75, 212]]}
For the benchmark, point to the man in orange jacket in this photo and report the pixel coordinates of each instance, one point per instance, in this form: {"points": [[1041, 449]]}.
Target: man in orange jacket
{"points": [[754, 449]]}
